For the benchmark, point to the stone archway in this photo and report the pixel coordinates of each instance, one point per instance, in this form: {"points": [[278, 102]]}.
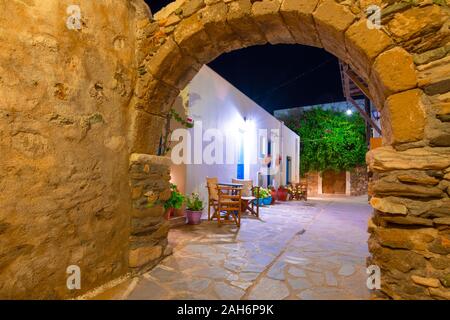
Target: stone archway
{"points": [[79, 110], [406, 64]]}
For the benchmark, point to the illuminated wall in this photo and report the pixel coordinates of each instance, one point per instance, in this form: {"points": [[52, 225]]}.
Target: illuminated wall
{"points": [[216, 104]]}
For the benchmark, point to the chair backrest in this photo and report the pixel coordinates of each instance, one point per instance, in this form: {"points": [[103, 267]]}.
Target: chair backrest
{"points": [[247, 186], [211, 184], [230, 198]]}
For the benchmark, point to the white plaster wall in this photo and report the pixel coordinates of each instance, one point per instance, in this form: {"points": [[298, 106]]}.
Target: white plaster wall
{"points": [[215, 103]]}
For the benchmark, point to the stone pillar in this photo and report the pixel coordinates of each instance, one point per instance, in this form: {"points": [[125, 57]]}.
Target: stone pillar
{"points": [[319, 183], [348, 183], [358, 181], [149, 179], [312, 179]]}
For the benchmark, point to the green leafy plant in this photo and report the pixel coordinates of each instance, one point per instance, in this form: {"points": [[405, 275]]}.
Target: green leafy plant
{"points": [[165, 141], [264, 193], [330, 139], [194, 203], [176, 199]]}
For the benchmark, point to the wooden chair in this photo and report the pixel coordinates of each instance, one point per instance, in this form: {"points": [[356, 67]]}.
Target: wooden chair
{"points": [[213, 196], [250, 196], [229, 206]]}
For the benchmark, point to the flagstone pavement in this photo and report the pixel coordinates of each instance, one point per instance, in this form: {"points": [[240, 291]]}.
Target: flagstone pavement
{"points": [[296, 250]]}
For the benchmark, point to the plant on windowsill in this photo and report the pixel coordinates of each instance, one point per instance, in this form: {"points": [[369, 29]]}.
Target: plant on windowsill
{"points": [[194, 208]]}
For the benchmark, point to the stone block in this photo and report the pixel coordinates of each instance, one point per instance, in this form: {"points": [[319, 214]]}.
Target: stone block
{"points": [[397, 238], [364, 45], [427, 282], [332, 20], [153, 160], [439, 293], [394, 259], [417, 177], [161, 96], [214, 18], [140, 257], [266, 13], [434, 77], [239, 19], [410, 27], [387, 158], [190, 7], [408, 221], [191, 36], [169, 64], [405, 113], [392, 72], [387, 206], [143, 127], [145, 225], [383, 188], [155, 211], [297, 14]]}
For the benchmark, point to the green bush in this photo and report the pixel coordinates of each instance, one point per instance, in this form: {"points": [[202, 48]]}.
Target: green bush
{"points": [[176, 199]]}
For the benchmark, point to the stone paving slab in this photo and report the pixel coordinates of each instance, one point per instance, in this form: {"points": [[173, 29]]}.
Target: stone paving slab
{"points": [[296, 250]]}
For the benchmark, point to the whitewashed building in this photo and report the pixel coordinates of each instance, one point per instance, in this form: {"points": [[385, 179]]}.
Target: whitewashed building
{"points": [[251, 137]]}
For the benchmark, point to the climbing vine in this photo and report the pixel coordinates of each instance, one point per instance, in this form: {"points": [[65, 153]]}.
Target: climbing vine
{"points": [[165, 139], [330, 139]]}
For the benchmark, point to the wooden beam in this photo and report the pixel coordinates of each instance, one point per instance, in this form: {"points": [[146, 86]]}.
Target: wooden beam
{"points": [[358, 83], [367, 117]]}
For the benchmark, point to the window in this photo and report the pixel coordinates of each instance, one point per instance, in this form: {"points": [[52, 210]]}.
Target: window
{"points": [[288, 170]]}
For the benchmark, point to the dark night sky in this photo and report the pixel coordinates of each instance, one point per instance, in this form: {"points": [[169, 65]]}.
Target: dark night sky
{"points": [[281, 76]]}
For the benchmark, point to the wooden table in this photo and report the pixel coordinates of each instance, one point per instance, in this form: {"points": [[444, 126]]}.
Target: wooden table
{"points": [[226, 184]]}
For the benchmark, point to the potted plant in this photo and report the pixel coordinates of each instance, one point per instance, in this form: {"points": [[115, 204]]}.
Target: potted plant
{"points": [[175, 201], [264, 196], [282, 193], [291, 192], [273, 194], [194, 208]]}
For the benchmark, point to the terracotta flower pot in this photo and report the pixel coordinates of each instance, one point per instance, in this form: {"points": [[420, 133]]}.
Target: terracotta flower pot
{"points": [[282, 194], [169, 213], [193, 217], [273, 193]]}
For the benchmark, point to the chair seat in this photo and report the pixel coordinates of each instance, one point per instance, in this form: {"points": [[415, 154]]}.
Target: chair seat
{"points": [[248, 198], [229, 201]]}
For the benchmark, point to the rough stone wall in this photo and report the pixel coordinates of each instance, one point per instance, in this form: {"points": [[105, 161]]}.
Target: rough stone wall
{"points": [[65, 101], [150, 185], [358, 181], [410, 230], [64, 187]]}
